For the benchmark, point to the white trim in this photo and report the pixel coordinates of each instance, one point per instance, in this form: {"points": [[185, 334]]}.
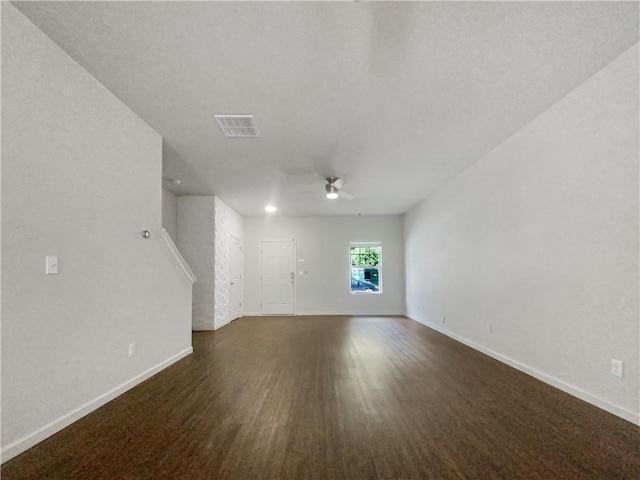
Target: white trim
{"points": [[622, 412], [58, 424], [241, 243], [178, 256], [216, 326], [377, 313], [378, 266]]}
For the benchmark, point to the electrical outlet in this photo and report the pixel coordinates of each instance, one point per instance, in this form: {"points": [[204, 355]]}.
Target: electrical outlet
{"points": [[616, 367], [132, 349], [442, 319], [489, 329]]}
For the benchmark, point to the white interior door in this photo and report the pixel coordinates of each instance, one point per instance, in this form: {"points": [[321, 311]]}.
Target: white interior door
{"points": [[278, 283], [235, 277]]}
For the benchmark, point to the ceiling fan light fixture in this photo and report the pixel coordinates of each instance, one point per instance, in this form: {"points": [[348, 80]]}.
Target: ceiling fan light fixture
{"points": [[332, 191]]}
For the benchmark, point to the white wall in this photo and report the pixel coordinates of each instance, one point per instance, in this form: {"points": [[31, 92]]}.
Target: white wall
{"points": [[195, 240], [228, 223], [81, 179], [170, 214], [205, 225], [323, 244], [540, 239]]}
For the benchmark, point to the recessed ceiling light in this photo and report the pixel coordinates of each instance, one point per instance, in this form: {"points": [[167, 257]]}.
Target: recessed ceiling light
{"points": [[171, 181], [270, 208]]}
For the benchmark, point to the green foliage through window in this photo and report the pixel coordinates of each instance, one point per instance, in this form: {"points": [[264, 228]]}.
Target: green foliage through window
{"points": [[364, 256]]}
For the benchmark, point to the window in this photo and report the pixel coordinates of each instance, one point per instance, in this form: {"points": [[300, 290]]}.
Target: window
{"points": [[365, 267]]}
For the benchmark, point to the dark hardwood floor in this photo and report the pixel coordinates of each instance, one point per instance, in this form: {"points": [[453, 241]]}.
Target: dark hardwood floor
{"points": [[337, 398]]}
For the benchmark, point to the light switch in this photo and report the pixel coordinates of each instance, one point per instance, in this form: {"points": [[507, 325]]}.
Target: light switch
{"points": [[52, 265], [616, 367]]}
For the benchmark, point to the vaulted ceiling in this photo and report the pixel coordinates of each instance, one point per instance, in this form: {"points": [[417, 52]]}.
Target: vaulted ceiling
{"points": [[394, 97]]}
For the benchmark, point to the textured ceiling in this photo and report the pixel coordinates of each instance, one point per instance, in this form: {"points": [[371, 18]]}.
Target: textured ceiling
{"points": [[394, 97]]}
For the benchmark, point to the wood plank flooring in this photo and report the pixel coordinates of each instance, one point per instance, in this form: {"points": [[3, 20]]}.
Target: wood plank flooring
{"points": [[337, 398]]}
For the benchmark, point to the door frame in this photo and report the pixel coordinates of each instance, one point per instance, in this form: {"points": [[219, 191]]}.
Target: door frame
{"points": [[233, 238], [295, 273]]}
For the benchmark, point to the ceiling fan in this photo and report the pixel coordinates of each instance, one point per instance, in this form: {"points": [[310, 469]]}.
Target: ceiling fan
{"points": [[334, 189]]}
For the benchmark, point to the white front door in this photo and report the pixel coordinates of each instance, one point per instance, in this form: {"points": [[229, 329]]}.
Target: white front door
{"points": [[278, 283], [235, 296]]}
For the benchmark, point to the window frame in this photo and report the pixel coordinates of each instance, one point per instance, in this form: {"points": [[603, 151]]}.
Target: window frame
{"points": [[378, 245]]}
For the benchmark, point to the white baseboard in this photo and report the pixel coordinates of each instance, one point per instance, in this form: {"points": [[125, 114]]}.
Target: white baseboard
{"points": [[220, 325], [55, 426], [322, 314], [633, 417], [351, 314]]}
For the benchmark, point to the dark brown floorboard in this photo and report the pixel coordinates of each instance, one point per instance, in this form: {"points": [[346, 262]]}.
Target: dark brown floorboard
{"points": [[337, 398]]}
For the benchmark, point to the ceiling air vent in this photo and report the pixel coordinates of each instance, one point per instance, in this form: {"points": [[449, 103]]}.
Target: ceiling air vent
{"points": [[238, 126]]}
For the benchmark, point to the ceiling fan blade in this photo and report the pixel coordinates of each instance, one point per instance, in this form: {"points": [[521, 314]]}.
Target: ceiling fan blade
{"points": [[346, 195]]}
